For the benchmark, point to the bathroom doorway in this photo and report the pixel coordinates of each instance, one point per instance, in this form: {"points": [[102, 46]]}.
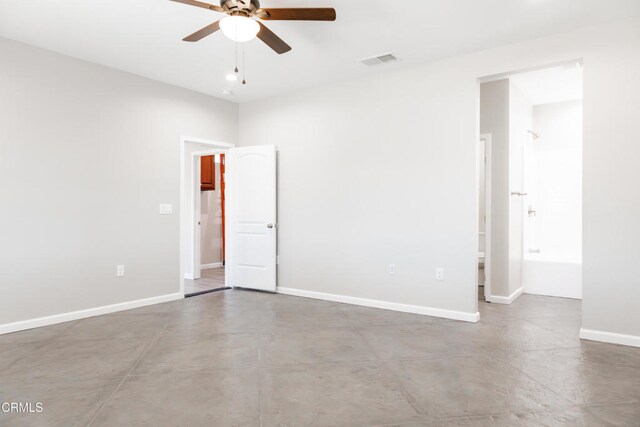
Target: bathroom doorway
{"points": [[531, 242]]}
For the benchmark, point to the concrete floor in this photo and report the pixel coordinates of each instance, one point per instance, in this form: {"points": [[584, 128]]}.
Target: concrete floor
{"points": [[211, 278], [246, 358]]}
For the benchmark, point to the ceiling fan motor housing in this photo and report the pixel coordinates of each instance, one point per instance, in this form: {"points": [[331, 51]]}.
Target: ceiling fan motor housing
{"points": [[240, 7]]}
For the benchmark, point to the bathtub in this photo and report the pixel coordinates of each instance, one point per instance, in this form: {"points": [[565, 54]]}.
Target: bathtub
{"points": [[549, 275]]}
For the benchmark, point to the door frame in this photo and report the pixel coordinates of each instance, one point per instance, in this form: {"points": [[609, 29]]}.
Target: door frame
{"points": [[187, 219], [487, 203]]}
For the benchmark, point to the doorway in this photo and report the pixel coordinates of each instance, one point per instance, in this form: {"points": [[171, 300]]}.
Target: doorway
{"points": [[228, 218], [209, 266], [531, 185]]}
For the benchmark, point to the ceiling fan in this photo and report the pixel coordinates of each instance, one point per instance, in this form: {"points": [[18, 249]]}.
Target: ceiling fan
{"points": [[240, 25]]}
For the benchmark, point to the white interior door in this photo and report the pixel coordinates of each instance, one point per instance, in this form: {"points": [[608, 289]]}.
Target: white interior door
{"points": [[251, 217]]}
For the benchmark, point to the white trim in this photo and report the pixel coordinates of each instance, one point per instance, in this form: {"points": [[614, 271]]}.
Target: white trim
{"points": [[507, 74], [610, 337], [505, 300], [186, 209], [195, 215], [185, 139], [405, 308], [83, 314], [188, 276], [212, 265]]}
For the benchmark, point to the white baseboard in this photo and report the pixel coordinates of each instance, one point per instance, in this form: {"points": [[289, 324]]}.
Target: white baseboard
{"points": [[188, 276], [506, 300], [610, 337], [405, 308], [212, 265], [82, 314]]}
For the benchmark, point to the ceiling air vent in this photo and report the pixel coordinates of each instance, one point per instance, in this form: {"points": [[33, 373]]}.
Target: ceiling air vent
{"points": [[381, 59]]}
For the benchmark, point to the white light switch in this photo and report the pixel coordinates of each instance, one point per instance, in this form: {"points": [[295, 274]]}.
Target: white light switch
{"points": [[439, 273], [120, 270], [166, 209]]}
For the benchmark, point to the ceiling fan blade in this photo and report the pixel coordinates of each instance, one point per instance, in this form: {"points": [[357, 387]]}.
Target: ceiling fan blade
{"points": [[201, 4], [298, 14], [273, 41], [203, 32]]}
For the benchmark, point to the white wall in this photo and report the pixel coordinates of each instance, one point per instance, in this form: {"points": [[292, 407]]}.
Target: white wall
{"points": [[553, 180], [556, 181], [494, 120], [520, 121], [87, 154], [506, 114], [412, 135], [375, 172]]}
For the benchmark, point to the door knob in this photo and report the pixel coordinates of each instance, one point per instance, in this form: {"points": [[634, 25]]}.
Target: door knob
{"points": [[269, 225]]}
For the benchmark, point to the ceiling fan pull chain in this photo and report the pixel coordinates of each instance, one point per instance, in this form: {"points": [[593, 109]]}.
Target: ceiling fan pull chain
{"points": [[236, 70], [244, 66]]}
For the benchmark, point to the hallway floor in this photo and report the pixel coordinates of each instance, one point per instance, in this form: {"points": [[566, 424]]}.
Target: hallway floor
{"points": [[211, 278], [255, 359]]}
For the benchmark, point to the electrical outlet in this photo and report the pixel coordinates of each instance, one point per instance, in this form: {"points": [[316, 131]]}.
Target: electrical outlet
{"points": [[439, 273], [392, 269], [120, 270]]}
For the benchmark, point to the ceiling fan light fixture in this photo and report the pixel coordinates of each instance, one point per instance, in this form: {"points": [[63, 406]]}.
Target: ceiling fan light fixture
{"points": [[239, 28]]}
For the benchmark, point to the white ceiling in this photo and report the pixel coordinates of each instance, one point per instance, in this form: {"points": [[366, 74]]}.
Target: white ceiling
{"points": [[551, 85], [144, 36]]}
